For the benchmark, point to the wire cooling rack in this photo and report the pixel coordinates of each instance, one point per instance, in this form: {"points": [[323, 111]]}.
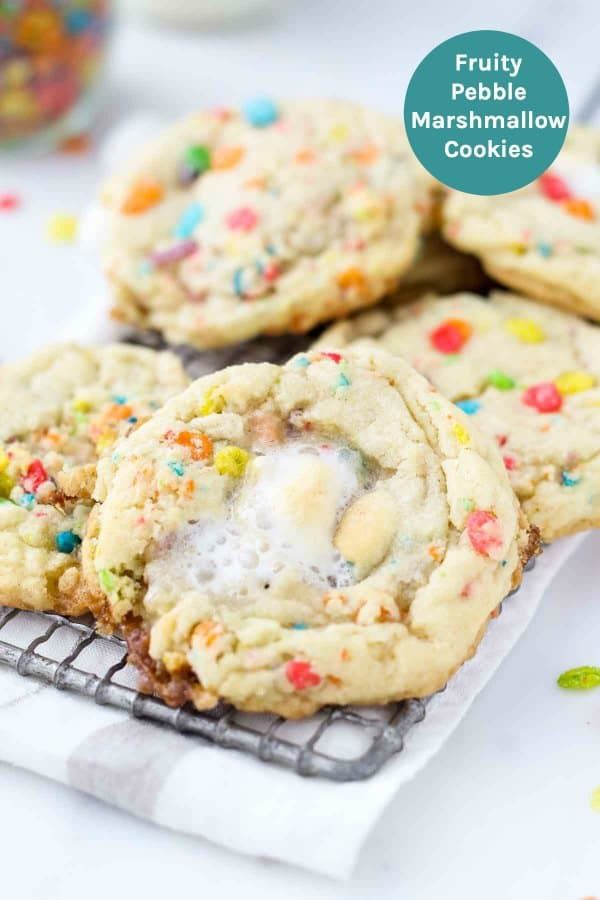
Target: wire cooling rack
{"points": [[339, 743]]}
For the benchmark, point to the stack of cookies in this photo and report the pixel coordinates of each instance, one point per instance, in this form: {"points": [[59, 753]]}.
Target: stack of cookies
{"points": [[338, 528]]}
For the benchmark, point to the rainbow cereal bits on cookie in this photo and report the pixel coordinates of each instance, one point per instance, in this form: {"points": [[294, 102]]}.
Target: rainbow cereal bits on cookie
{"points": [[329, 531], [543, 240], [263, 221], [527, 375], [60, 410]]}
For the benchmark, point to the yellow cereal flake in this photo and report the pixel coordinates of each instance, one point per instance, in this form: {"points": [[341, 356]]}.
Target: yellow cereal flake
{"points": [[212, 403], [231, 461], [339, 132], [82, 406], [595, 799], [4, 461], [460, 433], [61, 228], [574, 382], [6, 484], [105, 441], [525, 330]]}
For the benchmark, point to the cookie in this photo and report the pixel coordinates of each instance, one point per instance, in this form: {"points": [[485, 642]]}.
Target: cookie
{"points": [[264, 220], [440, 269], [526, 374], [543, 240], [329, 531], [60, 410]]}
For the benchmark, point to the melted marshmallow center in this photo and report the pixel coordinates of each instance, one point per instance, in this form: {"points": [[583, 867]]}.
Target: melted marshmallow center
{"points": [[282, 521]]}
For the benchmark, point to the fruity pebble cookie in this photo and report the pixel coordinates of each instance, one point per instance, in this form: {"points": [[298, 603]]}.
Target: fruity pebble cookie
{"points": [[526, 374], [544, 239], [329, 531], [439, 268], [263, 220], [59, 410]]}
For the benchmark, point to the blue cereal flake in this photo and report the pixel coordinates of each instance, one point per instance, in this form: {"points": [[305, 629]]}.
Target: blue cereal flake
{"points": [[299, 626], [67, 541], [177, 468], [544, 249], [567, 479], [145, 267], [238, 285], [28, 501], [470, 407], [343, 381], [132, 420], [119, 399], [189, 220], [302, 362], [260, 112]]}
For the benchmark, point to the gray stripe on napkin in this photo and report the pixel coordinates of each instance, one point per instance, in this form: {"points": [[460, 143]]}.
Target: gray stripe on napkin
{"points": [[127, 763]]}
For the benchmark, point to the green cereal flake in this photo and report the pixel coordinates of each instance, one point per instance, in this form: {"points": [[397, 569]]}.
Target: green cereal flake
{"points": [[500, 380], [581, 679], [107, 580]]}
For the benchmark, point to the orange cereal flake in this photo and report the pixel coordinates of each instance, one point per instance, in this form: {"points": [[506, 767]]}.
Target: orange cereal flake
{"points": [[142, 195], [199, 444], [227, 157], [581, 209], [352, 278]]}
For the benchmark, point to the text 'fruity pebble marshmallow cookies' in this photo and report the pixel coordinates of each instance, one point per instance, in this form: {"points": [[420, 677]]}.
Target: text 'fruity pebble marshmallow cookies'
{"points": [[543, 240], [263, 220], [527, 375], [59, 411], [329, 531]]}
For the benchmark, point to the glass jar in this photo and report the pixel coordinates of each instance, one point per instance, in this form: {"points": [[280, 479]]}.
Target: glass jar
{"points": [[51, 55]]}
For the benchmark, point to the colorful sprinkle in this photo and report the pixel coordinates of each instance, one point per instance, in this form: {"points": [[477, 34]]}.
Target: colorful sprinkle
{"points": [[510, 463], [177, 468], [595, 806], [142, 195], [302, 362], [260, 112], [343, 381], [27, 501], [4, 461], [61, 228], [231, 461], [299, 626], [544, 249], [238, 282], [544, 397], [460, 433], [470, 407], [173, 254], [582, 678], [525, 330], [484, 532], [553, 187], [197, 159], [67, 541], [242, 219], [334, 357], [189, 220], [301, 675], [574, 382], [500, 380], [567, 479], [451, 335]]}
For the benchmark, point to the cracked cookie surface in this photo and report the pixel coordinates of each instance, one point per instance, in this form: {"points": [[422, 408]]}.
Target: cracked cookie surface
{"points": [[329, 531], [234, 225], [526, 374], [544, 239], [60, 410]]}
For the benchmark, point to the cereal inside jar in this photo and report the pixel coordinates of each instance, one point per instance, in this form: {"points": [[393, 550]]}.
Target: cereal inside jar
{"points": [[51, 55]]}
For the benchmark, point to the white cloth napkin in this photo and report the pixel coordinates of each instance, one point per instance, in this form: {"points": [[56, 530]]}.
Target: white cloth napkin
{"points": [[225, 796]]}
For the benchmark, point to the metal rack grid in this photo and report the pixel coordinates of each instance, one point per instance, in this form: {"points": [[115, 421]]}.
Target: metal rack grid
{"points": [[340, 743]]}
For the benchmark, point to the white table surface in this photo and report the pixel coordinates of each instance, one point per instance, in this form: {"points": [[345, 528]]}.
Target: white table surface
{"points": [[503, 812]]}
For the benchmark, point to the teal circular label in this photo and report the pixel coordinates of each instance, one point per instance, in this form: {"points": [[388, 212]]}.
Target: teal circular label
{"points": [[486, 112]]}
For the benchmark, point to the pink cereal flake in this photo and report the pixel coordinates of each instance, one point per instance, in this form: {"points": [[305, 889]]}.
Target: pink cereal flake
{"points": [[242, 219], [485, 533], [301, 675]]}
